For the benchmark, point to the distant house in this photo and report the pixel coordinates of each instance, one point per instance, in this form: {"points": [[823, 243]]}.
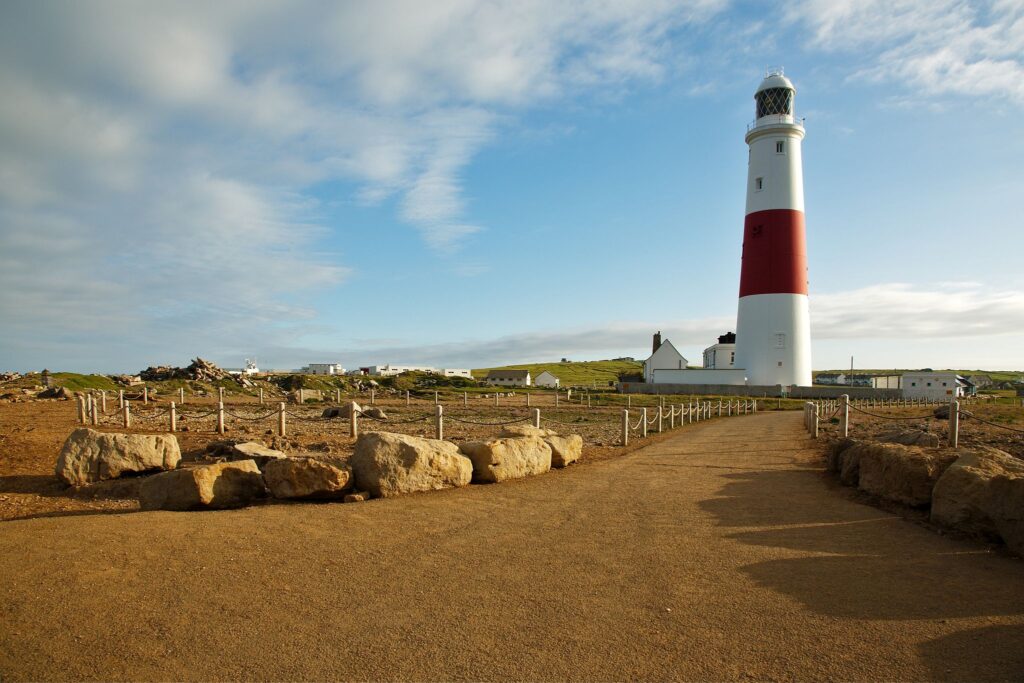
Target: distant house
{"points": [[546, 379], [456, 372], [324, 369], [721, 356], [830, 378], [935, 386], [981, 381], [509, 378], [663, 357]]}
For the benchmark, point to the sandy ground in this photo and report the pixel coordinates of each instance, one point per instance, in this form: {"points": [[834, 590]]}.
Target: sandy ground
{"points": [[719, 552]]}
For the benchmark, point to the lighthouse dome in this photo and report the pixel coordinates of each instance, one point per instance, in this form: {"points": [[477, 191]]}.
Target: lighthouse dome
{"points": [[774, 96]]}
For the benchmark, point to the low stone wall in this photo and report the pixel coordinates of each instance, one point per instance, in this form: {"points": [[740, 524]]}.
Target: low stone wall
{"points": [[755, 390]]}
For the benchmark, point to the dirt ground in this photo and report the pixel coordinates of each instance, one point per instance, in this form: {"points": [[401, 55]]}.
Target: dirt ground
{"points": [[718, 552]]}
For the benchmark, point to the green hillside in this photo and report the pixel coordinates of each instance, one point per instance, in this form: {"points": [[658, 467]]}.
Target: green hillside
{"points": [[575, 373]]}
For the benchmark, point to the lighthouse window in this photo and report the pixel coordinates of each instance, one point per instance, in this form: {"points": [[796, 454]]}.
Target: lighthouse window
{"points": [[759, 183], [780, 147]]}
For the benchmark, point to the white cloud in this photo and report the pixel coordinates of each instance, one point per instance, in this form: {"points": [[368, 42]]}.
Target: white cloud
{"points": [[934, 47], [156, 159]]}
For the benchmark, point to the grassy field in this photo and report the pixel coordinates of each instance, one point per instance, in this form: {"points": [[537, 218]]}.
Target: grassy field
{"points": [[583, 373]]}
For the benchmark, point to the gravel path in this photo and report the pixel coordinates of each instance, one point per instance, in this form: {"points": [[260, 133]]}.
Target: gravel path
{"points": [[719, 552]]}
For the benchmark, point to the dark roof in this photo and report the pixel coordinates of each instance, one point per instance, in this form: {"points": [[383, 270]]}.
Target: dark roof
{"points": [[508, 374]]}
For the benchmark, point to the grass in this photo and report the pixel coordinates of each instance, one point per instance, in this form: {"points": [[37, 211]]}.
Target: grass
{"points": [[76, 382], [996, 375], [582, 373]]}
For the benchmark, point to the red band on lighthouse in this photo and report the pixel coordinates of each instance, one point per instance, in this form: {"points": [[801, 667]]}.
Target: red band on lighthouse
{"points": [[774, 253]]}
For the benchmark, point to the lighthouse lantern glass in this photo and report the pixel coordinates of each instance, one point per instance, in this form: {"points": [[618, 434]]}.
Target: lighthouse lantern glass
{"points": [[774, 101]]}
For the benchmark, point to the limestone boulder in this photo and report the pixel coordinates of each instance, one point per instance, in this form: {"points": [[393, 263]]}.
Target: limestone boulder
{"points": [[1007, 511], [210, 487], [90, 456], [903, 474], [306, 478], [375, 413], [244, 450], [833, 455], [387, 464], [966, 498], [911, 437], [344, 410], [565, 450], [526, 430], [505, 458], [849, 463]]}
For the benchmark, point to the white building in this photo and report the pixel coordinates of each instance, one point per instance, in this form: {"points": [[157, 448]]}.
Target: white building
{"points": [[721, 356], [250, 367], [546, 379], [935, 386], [664, 356], [456, 372], [324, 369], [509, 378], [830, 378]]}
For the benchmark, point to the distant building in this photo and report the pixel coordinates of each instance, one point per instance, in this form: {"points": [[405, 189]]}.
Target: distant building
{"points": [[721, 356], [664, 356], [626, 358], [935, 386], [981, 381], [546, 379], [388, 370], [830, 378], [324, 369], [509, 378], [456, 372], [886, 382]]}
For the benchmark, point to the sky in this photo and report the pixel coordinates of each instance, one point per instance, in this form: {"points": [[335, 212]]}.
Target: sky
{"points": [[467, 184]]}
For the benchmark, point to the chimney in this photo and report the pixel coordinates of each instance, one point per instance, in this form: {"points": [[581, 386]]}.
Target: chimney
{"points": [[657, 341]]}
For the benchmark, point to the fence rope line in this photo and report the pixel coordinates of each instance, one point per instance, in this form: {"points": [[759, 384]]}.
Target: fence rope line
{"points": [[639, 422], [577, 424], [893, 417], [251, 419], [487, 424], [971, 415], [421, 418], [192, 417]]}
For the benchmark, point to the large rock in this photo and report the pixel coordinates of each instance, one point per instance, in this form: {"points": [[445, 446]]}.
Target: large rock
{"points": [[911, 437], [245, 450], [965, 498], [833, 455], [374, 413], [89, 456], [344, 410], [565, 450], [1008, 510], [306, 478], [507, 458], [387, 464], [903, 474], [223, 485]]}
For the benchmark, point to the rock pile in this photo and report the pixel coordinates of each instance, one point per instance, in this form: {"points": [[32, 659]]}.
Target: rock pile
{"points": [[9, 376], [200, 370], [979, 491]]}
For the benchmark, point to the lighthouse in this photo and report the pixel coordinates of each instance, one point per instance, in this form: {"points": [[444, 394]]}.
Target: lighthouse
{"points": [[773, 331]]}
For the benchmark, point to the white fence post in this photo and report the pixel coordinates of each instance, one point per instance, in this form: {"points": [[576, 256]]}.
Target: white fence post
{"points": [[625, 427], [145, 394], [671, 417], [954, 423], [465, 399], [536, 418], [643, 423], [94, 412], [220, 417], [440, 422], [661, 415], [814, 423], [527, 399], [353, 421], [81, 409], [220, 394], [181, 395], [373, 396], [844, 415], [120, 399], [126, 415], [103, 402], [174, 418], [281, 426]]}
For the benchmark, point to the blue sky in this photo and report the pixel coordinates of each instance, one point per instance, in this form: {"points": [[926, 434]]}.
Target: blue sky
{"points": [[477, 183]]}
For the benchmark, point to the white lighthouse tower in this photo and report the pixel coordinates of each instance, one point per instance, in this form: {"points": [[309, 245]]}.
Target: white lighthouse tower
{"points": [[773, 331]]}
